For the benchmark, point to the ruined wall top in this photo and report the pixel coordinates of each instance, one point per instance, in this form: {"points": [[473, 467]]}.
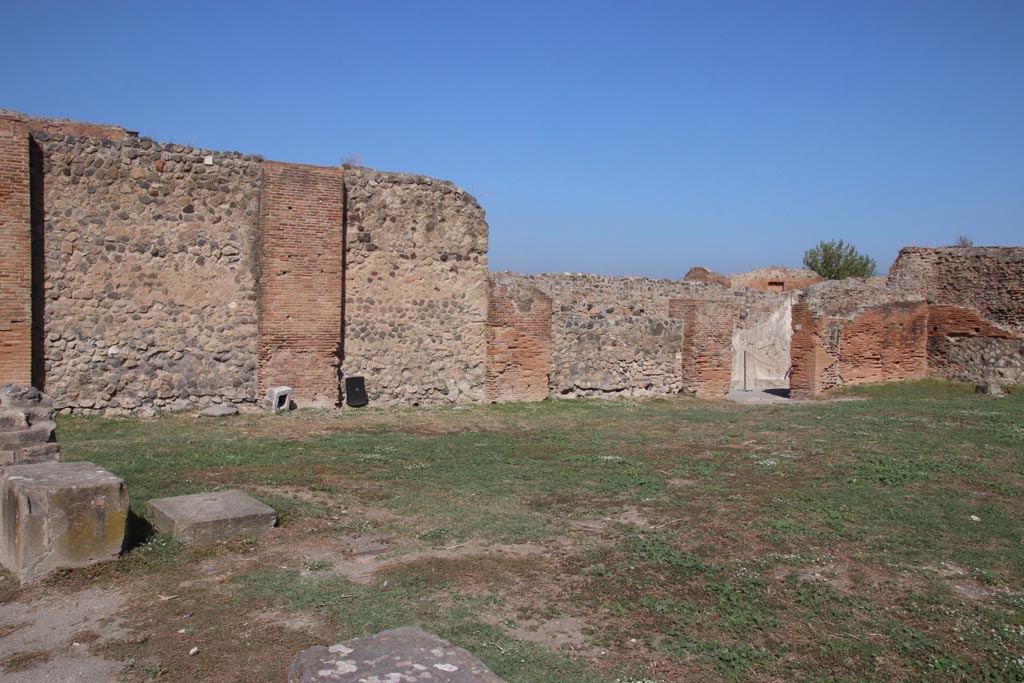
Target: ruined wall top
{"points": [[989, 280], [848, 298], [36, 124]]}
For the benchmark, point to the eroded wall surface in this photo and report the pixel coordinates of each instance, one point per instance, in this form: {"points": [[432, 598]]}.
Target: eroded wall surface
{"points": [[621, 336], [415, 288], [150, 290], [518, 342], [976, 309], [850, 332]]}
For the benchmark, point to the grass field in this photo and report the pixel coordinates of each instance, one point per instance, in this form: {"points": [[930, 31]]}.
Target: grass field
{"points": [[879, 537]]}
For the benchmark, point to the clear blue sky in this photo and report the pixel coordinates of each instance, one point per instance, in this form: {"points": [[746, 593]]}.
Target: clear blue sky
{"points": [[612, 137]]}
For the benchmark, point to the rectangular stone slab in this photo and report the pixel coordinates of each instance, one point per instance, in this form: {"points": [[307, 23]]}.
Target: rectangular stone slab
{"points": [[407, 653], [211, 517], [59, 515]]}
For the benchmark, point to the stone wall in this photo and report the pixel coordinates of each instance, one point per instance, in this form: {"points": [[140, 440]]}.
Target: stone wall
{"points": [[849, 332], [617, 335], [976, 309], [16, 264], [302, 240], [518, 342], [415, 288], [150, 259]]}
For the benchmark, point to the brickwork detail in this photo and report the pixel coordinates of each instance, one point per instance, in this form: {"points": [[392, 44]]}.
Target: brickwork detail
{"points": [[707, 354], [976, 311], [850, 332], [300, 285], [16, 264], [415, 288], [518, 343]]}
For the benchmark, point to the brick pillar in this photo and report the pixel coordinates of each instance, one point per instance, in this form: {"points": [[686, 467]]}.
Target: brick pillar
{"points": [[16, 260], [707, 345], [804, 378], [518, 364], [300, 287]]}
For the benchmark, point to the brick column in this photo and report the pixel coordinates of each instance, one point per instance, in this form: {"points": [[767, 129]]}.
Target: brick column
{"points": [[518, 343], [16, 260], [300, 287], [707, 345]]}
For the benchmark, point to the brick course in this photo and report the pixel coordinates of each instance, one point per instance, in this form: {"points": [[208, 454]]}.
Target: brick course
{"points": [[518, 343], [300, 284], [16, 264], [707, 354], [849, 332]]}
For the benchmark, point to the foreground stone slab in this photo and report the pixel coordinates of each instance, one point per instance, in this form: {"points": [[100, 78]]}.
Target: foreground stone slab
{"points": [[211, 517], [403, 654], [59, 515]]}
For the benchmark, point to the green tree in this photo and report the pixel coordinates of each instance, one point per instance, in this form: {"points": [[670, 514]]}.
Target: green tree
{"points": [[835, 260]]}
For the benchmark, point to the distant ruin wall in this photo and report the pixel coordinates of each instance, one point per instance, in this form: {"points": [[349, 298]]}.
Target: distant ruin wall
{"points": [[150, 289], [16, 263], [976, 309], [617, 335], [518, 342], [988, 280], [300, 282], [775, 279], [415, 288], [848, 332]]}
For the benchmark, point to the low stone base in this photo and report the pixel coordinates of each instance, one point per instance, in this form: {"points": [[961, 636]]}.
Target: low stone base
{"points": [[404, 654], [59, 515], [211, 517]]}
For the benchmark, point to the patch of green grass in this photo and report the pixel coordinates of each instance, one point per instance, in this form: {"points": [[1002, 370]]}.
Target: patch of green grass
{"points": [[832, 564]]}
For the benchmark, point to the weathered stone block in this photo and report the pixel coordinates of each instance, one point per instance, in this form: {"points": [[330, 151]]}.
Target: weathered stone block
{"points": [[403, 654], [59, 515], [279, 399], [211, 517]]}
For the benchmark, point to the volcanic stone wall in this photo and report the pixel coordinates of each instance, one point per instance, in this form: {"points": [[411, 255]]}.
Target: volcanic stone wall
{"points": [[617, 335], [150, 289], [518, 342], [16, 264], [302, 241], [976, 309], [415, 288], [849, 332]]}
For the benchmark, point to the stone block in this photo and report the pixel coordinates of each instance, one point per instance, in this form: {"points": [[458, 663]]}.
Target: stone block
{"points": [[59, 515], [403, 654], [30, 454], [279, 399], [211, 517]]}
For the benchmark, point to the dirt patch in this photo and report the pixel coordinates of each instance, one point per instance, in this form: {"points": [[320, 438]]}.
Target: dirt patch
{"points": [[55, 638]]}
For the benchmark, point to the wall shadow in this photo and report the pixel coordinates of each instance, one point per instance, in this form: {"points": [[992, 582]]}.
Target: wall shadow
{"points": [[37, 192]]}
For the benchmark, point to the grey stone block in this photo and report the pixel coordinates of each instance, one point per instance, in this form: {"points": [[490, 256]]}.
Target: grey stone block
{"points": [[406, 654], [211, 517], [59, 515]]}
